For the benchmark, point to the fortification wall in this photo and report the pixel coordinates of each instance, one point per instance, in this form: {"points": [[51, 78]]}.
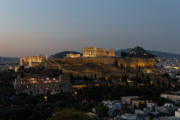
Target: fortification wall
{"points": [[126, 62], [96, 60], [136, 62]]}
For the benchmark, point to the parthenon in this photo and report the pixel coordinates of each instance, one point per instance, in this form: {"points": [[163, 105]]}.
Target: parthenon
{"points": [[98, 52]]}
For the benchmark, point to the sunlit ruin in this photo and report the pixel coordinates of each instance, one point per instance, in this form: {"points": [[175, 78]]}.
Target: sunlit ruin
{"points": [[98, 52], [32, 60]]}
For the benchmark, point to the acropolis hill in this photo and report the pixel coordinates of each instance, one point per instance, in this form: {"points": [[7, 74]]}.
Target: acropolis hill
{"points": [[126, 62], [99, 56], [100, 66]]}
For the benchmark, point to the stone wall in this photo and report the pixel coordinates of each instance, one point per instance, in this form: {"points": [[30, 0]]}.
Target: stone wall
{"points": [[125, 62], [136, 62]]}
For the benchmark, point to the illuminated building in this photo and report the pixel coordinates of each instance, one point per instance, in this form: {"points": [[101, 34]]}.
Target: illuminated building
{"points": [[36, 84], [32, 60], [73, 55], [98, 52]]}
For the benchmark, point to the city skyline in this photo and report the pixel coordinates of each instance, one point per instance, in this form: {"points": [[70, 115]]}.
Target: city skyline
{"points": [[47, 27]]}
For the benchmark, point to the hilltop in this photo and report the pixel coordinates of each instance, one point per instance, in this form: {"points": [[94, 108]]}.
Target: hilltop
{"points": [[139, 52], [156, 53], [104, 68]]}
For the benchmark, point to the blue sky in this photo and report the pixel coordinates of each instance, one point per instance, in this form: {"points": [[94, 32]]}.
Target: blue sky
{"points": [[29, 27]]}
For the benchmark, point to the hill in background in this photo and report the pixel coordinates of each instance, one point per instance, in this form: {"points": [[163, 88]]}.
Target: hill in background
{"points": [[9, 60], [63, 54], [153, 52], [138, 51]]}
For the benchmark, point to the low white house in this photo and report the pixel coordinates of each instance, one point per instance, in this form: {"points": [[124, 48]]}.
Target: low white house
{"points": [[128, 117], [151, 105], [177, 113], [128, 99], [114, 106], [173, 96], [168, 108]]}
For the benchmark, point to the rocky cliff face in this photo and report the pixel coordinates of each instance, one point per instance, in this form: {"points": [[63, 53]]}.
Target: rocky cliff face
{"points": [[127, 62], [100, 67]]}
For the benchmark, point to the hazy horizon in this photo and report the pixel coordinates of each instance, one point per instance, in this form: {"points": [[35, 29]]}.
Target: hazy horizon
{"points": [[51, 26]]}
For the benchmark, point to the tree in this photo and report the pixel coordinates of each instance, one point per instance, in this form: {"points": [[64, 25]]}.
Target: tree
{"points": [[123, 54], [166, 75], [101, 110], [69, 114]]}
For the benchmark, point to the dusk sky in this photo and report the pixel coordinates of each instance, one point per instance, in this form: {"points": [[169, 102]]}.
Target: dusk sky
{"points": [[30, 27]]}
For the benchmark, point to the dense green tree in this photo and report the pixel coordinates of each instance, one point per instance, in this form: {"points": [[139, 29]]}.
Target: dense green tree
{"points": [[101, 110], [123, 54], [69, 114]]}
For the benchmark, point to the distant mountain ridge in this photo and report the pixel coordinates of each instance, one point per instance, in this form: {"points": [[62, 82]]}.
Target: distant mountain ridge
{"points": [[63, 54], [153, 52], [165, 54], [118, 53], [9, 60]]}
